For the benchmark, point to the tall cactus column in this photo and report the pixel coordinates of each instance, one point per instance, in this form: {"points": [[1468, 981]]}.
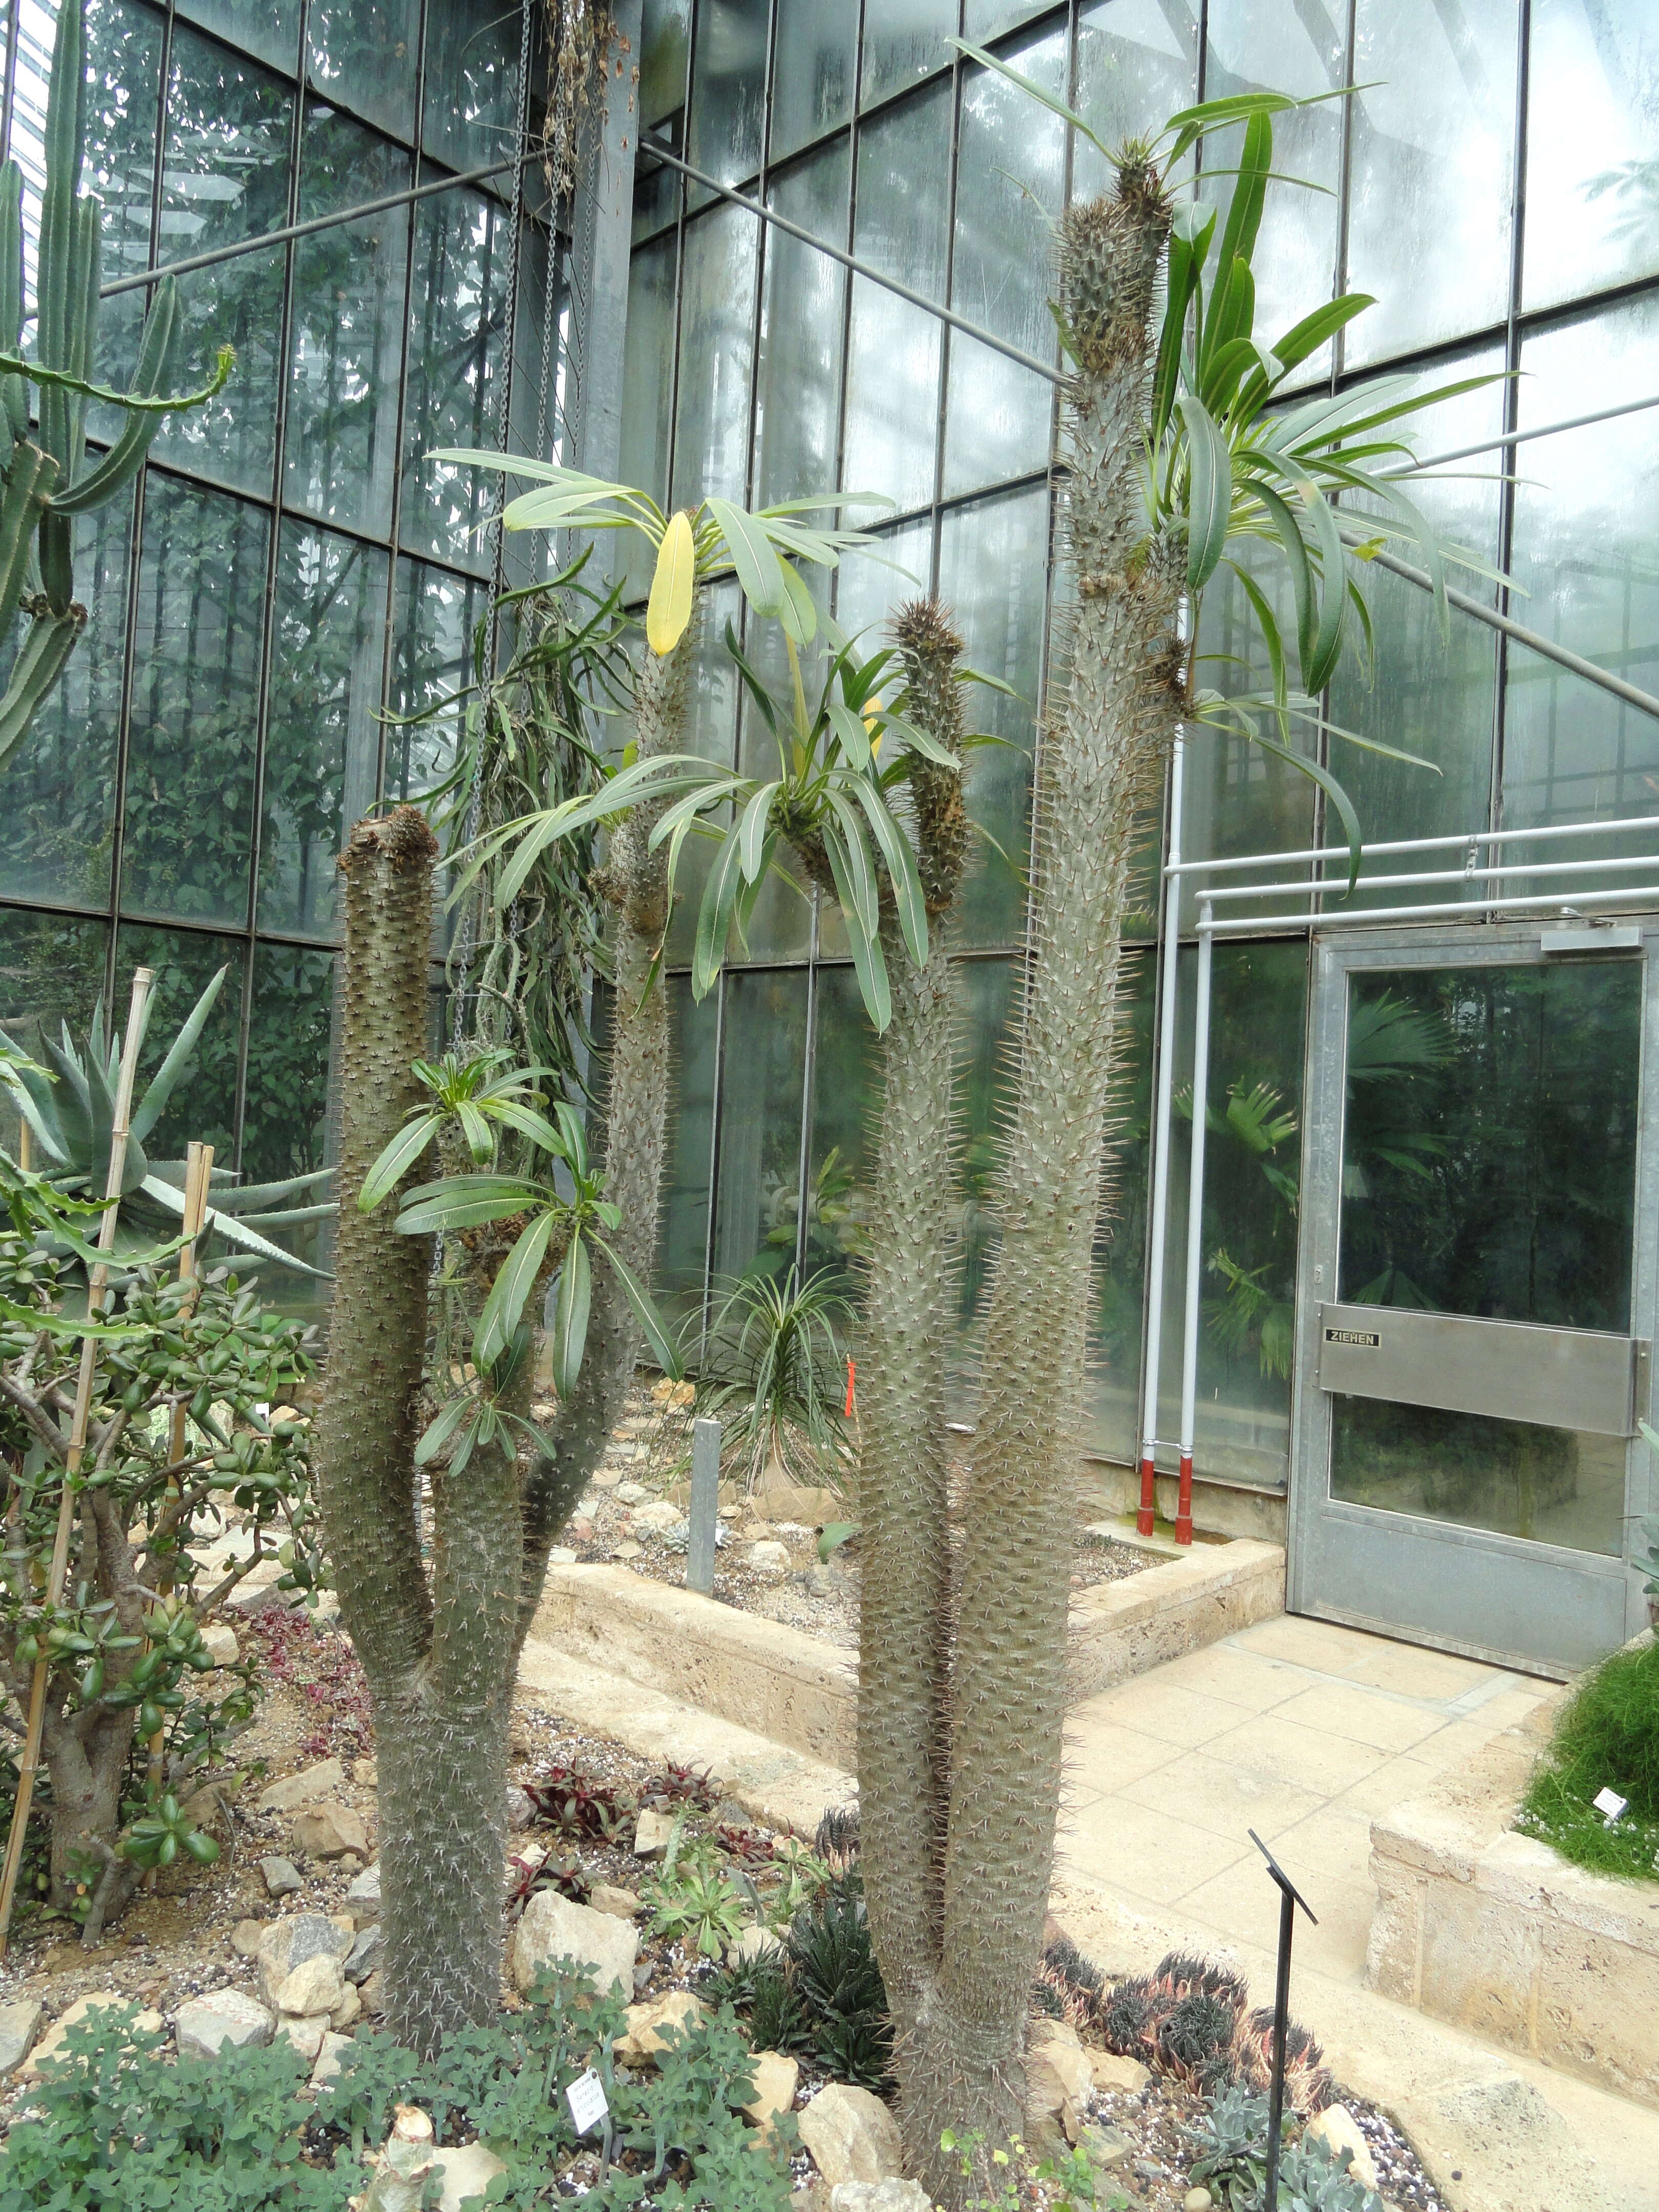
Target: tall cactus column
{"points": [[438, 1652]]}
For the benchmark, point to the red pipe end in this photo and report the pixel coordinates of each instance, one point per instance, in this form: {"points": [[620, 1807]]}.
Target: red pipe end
{"points": [[1184, 1502], [1147, 1517]]}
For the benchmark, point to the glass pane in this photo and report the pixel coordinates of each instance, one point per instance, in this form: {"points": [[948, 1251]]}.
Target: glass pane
{"points": [[994, 567], [1279, 45], [757, 1195], [363, 56], [463, 244], [798, 401], [286, 1129], [224, 178], [52, 971], [648, 372], [1137, 61], [267, 28], [472, 82], [1549, 1485], [59, 818], [846, 1100], [903, 41], [812, 70], [1480, 1174], [1252, 1156], [1431, 697], [989, 1013], [202, 1107], [1010, 182], [434, 623], [1592, 147], [984, 19], [717, 346], [728, 91], [189, 814], [665, 47], [892, 395], [1583, 552], [714, 735], [1430, 171], [868, 591], [1117, 1320], [348, 327], [322, 746], [656, 196], [682, 1247]]}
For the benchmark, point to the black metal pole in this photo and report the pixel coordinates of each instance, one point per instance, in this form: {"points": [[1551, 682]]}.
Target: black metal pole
{"points": [[1281, 2023]]}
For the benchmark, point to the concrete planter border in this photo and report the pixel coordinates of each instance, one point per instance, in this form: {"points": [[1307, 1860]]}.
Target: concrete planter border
{"points": [[800, 1691]]}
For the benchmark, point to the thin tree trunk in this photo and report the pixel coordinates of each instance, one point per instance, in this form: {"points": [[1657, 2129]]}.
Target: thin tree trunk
{"points": [[1107, 739]]}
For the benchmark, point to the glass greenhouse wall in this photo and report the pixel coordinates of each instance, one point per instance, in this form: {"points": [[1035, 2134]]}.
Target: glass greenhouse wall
{"points": [[1493, 187]]}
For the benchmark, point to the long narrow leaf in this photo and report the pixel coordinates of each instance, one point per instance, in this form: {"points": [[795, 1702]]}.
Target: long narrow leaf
{"points": [[663, 1349], [900, 870], [751, 831], [760, 573], [570, 1312], [397, 1159], [515, 1278], [668, 610], [1210, 499], [1045, 99]]}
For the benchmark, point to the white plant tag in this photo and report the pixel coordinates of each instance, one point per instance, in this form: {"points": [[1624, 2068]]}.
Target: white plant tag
{"points": [[1610, 1805], [586, 2100]]}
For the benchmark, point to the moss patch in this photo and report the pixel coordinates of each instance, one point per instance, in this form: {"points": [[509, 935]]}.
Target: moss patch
{"points": [[1606, 1738]]}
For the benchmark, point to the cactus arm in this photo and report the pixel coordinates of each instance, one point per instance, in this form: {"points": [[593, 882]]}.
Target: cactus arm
{"points": [[65, 141], [55, 541], [126, 456], [13, 392], [83, 321], [28, 480], [37, 668]]}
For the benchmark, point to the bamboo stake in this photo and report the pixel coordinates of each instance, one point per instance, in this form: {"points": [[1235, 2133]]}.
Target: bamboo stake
{"points": [[97, 1284], [198, 1178]]}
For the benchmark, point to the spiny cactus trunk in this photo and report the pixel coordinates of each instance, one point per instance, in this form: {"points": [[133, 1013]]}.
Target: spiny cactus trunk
{"points": [[1109, 736], [635, 881], [438, 1658]]}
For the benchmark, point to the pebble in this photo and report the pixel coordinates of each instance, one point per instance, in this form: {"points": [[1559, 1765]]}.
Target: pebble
{"points": [[282, 1877], [1197, 2200], [309, 1787], [628, 1549], [631, 1493]]}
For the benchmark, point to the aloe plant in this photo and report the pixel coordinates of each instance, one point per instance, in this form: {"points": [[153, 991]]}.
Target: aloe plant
{"points": [[70, 1105], [49, 477]]}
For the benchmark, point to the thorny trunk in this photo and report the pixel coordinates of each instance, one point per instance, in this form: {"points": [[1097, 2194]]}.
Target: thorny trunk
{"points": [[438, 1658], [634, 880], [964, 2015]]}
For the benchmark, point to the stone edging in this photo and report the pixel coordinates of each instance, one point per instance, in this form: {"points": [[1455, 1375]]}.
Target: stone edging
{"points": [[799, 1690]]}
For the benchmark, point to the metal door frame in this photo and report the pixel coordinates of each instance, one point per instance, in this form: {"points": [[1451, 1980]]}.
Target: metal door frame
{"points": [[1336, 956]]}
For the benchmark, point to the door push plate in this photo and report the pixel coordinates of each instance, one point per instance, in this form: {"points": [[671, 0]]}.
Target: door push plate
{"points": [[1560, 1379]]}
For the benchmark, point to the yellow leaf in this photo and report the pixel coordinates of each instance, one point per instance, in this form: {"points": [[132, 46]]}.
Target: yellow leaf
{"points": [[669, 608], [870, 721]]}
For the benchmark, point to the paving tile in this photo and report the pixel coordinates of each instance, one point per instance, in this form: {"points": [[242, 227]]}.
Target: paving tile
{"points": [[1226, 1800], [1155, 1708], [1332, 1844], [1237, 1678], [1324, 1645], [1378, 1794], [1101, 1756], [1242, 1905], [1411, 1671], [1356, 1714], [1323, 1764], [1160, 1859]]}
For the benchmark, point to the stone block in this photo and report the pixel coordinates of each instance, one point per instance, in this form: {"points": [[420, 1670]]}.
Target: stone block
{"points": [[776, 2078], [850, 2135], [329, 1831], [644, 2038], [50, 2043], [19, 2024], [552, 1929], [607, 1897], [466, 2172], [651, 1834], [206, 2023], [330, 2052], [316, 1985], [363, 1896], [309, 1787], [287, 1944]]}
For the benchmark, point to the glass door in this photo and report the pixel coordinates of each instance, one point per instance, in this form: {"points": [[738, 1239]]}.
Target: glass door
{"points": [[1474, 1309]]}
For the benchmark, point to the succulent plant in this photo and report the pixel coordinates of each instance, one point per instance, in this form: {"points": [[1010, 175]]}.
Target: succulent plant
{"points": [[69, 1107], [48, 477]]}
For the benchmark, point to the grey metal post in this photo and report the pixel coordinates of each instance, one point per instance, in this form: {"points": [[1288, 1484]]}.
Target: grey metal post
{"points": [[705, 1506]]}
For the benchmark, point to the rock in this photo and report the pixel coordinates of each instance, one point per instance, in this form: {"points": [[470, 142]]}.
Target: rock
{"points": [[732, 1512], [19, 2024], [315, 1985], [632, 1493], [207, 2023], [289, 1943], [246, 1937], [220, 1639], [1107, 2147], [1111, 2072], [520, 1806], [282, 1877], [331, 2051], [348, 2012], [768, 1556], [644, 2039], [628, 1549], [364, 1957], [850, 2135], [552, 1928], [658, 1517], [51, 2042], [366, 1773], [1337, 2129], [467, 2173], [307, 2034], [890, 2195], [775, 2081], [330, 1830], [362, 1898], [807, 1508], [756, 1942], [605, 1897], [561, 1555], [1197, 2200], [373, 1994], [827, 1581], [1058, 2077], [651, 1834], [605, 1478], [308, 1788]]}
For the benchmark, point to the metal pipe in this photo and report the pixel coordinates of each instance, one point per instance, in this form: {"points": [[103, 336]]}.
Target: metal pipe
{"points": [[1439, 844], [1631, 894], [1194, 1225], [1529, 868], [1521, 437], [1169, 930]]}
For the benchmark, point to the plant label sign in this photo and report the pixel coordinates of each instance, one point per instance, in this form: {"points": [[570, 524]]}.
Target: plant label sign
{"points": [[586, 2100], [1609, 1804]]}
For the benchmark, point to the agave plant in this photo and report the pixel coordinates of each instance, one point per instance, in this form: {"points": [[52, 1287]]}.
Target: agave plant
{"points": [[69, 1108], [48, 478]]}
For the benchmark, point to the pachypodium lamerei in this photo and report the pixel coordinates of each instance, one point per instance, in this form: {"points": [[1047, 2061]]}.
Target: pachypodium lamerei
{"points": [[49, 477]]}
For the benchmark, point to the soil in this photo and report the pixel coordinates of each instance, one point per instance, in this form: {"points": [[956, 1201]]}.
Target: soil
{"points": [[645, 1464]]}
